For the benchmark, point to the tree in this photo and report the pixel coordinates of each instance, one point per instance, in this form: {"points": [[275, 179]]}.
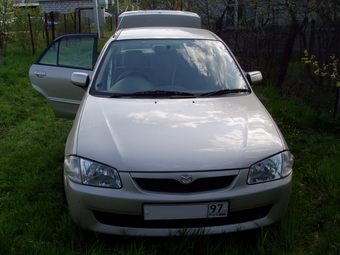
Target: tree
{"points": [[326, 70], [5, 24]]}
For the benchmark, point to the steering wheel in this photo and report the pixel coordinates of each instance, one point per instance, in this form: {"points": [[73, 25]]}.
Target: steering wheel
{"points": [[132, 74]]}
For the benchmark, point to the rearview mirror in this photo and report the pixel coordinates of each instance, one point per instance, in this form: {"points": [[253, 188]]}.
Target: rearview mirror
{"points": [[80, 79], [254, 77]]}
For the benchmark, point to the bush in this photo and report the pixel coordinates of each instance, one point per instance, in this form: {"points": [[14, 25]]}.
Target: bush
{"points": [[21, 27]]}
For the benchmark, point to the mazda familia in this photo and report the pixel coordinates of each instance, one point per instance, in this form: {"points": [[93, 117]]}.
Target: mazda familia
{"points": [[168, 136]]}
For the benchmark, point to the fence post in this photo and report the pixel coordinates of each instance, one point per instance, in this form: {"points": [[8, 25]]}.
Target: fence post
{"points": [[52, 25], [75, 21], [31, 32], [65, 23], [46, 31], [79, 21]]}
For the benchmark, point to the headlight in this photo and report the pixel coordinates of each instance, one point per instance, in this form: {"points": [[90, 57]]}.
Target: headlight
{"points": [[273, 168], [87, 172]]}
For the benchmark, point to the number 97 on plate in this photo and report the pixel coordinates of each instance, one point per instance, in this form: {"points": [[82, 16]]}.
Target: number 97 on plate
{"points": [[219, 209]]}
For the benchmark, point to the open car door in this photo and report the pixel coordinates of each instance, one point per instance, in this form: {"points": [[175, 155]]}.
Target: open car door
{"points": [[51, 74]]}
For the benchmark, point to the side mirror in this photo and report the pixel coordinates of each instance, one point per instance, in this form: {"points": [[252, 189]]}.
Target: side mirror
{"points": [[254, 77], [80, 79]]}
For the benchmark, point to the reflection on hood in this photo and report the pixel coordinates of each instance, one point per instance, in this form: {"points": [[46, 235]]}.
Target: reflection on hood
{"points": [[177, 134]]}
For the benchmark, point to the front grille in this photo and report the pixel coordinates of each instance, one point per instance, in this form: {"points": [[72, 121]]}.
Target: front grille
{"points": [[137, 221], [173, 186]]}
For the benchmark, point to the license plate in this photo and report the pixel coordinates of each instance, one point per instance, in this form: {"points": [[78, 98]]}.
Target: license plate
{"points": [[217, 210], [185, 211]]}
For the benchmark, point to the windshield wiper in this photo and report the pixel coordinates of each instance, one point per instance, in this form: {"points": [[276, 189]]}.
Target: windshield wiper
{"points": [[155, 93], [163, 93], [223, 91], [171, 93], [117, 95]]}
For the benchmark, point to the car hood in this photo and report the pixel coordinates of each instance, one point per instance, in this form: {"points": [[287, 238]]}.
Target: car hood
{"points": [[228, 132]]}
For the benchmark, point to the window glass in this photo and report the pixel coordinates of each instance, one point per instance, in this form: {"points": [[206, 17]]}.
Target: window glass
{"points": [[50, 56], [194, 66], [74, 52]]}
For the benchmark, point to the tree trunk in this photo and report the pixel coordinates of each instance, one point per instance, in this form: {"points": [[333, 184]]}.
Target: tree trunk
{"points": [[337, 103], [312, 37], [288, 50]]}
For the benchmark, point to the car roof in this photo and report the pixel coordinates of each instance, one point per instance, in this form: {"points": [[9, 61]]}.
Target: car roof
{"points": [[152, 18], [164, 33], [163, 12]]}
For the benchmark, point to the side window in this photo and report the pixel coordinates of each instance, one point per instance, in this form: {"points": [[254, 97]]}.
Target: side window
{"points": [[50, 56], [75, 52]]}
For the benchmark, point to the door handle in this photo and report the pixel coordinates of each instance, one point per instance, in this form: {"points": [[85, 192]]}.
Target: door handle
{"points": [[40, 74]]}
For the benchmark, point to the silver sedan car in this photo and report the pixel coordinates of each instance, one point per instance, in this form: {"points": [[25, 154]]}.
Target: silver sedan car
{"points": [[168, 136]]}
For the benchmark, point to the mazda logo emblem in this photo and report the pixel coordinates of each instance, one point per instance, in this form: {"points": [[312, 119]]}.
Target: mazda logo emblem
{"points": [[186, 178]]}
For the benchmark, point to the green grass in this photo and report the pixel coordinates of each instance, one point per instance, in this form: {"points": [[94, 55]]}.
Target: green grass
{"points": [[34, 219]]}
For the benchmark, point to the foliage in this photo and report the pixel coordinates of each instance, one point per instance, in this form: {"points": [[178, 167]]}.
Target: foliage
{"points": [[68, 23], [323, 70], [127, 6], [27, 27], [6, 19], [159, 4]]}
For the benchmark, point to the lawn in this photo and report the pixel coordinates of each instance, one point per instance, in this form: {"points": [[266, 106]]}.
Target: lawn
{"points": [[34, 219]]}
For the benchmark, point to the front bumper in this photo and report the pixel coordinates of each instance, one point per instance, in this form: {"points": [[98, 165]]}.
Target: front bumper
{"points": [[120, 211]]}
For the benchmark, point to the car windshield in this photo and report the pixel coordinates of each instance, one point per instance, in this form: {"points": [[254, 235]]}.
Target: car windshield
{"points": [[163, 66]]}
